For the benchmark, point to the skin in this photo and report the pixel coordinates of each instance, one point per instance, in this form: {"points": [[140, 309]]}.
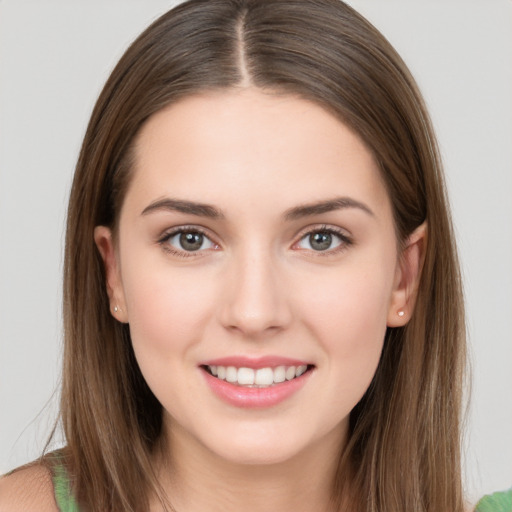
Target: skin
{"points": [[256, 287]]}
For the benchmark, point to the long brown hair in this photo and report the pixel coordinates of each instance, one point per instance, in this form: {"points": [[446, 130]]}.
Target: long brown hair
{"points": [[403, 449]]}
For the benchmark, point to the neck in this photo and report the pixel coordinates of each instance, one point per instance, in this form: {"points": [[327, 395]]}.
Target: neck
{"points": [[199, 480]]}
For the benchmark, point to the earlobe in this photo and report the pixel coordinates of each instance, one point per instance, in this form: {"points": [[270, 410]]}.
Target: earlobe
{"points": [[106, 248], [407, 278]]}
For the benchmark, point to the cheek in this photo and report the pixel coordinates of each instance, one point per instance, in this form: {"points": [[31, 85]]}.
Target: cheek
{"points": [[348, 315], [352, 305], [168, 309]]}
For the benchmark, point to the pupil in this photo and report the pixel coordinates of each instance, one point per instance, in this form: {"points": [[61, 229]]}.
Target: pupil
{"points": [[320, 241], [191, 241]]}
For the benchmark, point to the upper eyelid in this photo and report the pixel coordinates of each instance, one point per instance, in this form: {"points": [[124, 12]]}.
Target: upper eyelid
{"points": [[337, 230], [344, 236], [323, 227], [169, 232]]}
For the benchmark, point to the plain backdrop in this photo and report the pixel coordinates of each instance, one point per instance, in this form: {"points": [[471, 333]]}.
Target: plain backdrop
{"points": [[54, 57]]}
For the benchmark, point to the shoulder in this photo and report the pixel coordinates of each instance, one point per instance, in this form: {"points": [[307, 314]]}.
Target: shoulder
{"points": [[28, 488]]}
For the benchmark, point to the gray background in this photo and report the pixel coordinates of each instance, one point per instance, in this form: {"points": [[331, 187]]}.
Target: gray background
{"points": [[54, 58]]}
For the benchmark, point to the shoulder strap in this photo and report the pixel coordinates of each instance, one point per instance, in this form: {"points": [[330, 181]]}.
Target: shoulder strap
{"points": [[61, 484]]}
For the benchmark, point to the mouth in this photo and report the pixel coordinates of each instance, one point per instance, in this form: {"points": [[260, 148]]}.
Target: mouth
{"points": [[266, 377], [256, 383]]}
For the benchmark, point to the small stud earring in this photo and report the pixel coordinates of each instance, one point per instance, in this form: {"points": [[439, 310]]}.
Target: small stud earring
{"points": [[401, 312], [116, 309]]}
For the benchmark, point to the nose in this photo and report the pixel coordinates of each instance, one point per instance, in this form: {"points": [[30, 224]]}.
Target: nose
{"points": [[255, 301]]}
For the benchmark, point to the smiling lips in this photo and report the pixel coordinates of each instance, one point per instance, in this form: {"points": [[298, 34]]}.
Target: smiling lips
{"points": [[261, 378], [255, 384]]}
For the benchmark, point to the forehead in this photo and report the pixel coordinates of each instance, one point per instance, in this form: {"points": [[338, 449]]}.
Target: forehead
{"points": [[242, 144]]}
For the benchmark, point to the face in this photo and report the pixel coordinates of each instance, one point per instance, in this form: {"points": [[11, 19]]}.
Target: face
{"points": [[256, 264]]}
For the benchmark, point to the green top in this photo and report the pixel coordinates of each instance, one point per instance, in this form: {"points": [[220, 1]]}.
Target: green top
{"points": [[61, 484], [497, 502]]}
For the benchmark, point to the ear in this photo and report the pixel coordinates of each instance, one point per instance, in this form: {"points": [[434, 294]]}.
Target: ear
{"points": [[105, 245], [407, 278]]}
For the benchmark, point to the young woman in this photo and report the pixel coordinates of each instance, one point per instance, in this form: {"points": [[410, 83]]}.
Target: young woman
{"points": [[262, 301]]}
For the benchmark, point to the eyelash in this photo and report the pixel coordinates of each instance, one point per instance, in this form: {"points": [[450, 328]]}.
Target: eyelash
{"points": [[345, 240], [164, 239]]}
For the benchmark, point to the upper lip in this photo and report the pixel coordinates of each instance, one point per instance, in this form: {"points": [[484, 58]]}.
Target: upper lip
{"points": [[255, 362]]}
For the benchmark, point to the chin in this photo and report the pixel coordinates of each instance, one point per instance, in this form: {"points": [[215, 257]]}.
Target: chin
{"points": [[264, 454], [262, 444]]}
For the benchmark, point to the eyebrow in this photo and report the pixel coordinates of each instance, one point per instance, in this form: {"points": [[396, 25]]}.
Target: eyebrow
{"points": [[295, 213], [183, 206], [338, 203]]}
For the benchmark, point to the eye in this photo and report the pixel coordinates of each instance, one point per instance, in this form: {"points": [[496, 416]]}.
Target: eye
{"points": [[323, 240], [187, 241]]}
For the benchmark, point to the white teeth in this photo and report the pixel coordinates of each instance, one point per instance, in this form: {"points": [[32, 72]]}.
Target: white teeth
{"points": [[221, 372], [231, 374], [279, 374], [300, 370], [290, 372], [262, 377], [245, 376]]}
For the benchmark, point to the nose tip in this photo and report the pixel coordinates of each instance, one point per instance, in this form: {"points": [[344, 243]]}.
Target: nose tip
{"points": [[256, 301], [251, 325]]}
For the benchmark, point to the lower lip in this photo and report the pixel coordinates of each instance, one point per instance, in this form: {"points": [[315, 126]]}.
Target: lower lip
{"points": [[248, 398]]}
